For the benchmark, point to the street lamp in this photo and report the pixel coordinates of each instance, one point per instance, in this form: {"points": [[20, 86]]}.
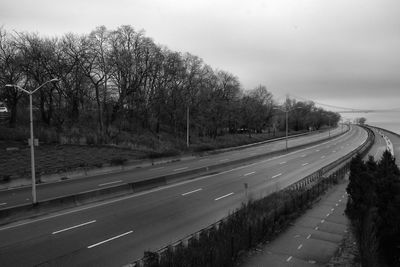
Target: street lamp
{"points": [[329, 125], [286, 110], [30, 93]]}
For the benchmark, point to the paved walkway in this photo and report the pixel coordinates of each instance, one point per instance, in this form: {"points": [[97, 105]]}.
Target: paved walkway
{"points": [[313, 238]]}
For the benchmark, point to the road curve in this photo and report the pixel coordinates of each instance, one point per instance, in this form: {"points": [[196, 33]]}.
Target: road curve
{"points": [[116, 232], [19, 196]]}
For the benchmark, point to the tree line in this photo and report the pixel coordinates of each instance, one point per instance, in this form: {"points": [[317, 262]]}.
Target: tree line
{"points": [[373, 209], [120, 81]]}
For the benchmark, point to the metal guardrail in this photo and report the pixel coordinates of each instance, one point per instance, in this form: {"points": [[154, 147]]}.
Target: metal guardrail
{"points": [[307, 181], [323, 172]]}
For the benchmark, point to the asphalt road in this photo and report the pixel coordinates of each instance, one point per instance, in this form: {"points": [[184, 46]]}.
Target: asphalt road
{"points": [[116, 232], [314, 237], [13, 197], [379, 146], [395, 139]]}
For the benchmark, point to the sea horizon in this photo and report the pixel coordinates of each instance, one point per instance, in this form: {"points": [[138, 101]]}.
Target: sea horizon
{"points": [[386, 120]]}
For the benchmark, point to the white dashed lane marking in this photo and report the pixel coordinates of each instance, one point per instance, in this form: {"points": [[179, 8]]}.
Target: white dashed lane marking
{"points": [[110, 239], [191, 192], [73, 227], [224, 196], [250, 173], [277, 175]]}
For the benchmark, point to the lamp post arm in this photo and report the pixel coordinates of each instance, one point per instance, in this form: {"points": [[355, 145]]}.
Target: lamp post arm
{"points": [[52, 80], [18, 87]]}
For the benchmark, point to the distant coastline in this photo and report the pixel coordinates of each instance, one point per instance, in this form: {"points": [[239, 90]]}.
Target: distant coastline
{"points": [[385, 120], [394, 127]]}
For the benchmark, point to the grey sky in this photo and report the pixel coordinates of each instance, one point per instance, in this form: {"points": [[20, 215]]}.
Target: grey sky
{"points": [[338, 52]]}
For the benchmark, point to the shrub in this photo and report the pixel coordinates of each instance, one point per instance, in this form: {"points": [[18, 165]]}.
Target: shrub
{"points": [[118, 161]]}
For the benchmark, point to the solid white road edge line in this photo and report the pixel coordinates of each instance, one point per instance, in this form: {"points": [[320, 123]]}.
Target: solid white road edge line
{"points": [[224, 196], [90, 206], [180, 169], [115, 182], [72, 227], [110, 239], [191, 192]]}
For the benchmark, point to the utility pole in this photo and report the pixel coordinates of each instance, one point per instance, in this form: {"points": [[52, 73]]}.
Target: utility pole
{"points": [[187, 127], [329, 125], [287, 110]]}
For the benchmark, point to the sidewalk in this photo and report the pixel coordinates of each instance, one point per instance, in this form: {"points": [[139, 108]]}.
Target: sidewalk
{"points": [[312, 239]]}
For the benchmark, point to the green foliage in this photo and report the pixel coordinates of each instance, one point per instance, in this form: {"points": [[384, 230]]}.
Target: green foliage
{"points": [[373, 208]]}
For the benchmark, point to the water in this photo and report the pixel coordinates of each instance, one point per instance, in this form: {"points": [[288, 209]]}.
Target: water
{"points": [[387, 120]]}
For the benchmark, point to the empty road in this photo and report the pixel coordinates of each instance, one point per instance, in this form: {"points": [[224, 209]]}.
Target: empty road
{"points": [[13, 197], [116, 232]]}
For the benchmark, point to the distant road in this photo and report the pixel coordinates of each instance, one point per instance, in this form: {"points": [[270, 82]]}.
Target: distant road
{"points": [[313, 239], [395, 139], [14, 197], [116, 232]]}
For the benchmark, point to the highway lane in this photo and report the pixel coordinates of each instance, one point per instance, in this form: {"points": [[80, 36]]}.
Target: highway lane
{"points": [[118, 231], [314, 237], [395, 139], [379, 146], [9, 198]]}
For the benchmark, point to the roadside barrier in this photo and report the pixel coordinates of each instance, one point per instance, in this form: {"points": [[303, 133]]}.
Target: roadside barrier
{"points": [[13, 213], [221, 243]]}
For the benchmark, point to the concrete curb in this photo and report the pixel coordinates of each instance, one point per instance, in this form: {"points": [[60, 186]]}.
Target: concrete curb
{"points": [[14, 213], [133, 164]]}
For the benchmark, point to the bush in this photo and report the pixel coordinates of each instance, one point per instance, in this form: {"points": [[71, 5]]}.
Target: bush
{"points": [[118, 161], [5, 178]]}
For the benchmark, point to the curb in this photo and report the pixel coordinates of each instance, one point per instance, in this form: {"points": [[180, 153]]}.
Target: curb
{"points": [[24, 211]]}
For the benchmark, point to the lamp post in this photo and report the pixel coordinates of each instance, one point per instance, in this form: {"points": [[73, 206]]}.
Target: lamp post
{"points": [[187, 127], [329, 125], [286, 110], [30, 93]]}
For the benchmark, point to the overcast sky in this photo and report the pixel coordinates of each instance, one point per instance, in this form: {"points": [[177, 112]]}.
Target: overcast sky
{"points": [[338, 52]]}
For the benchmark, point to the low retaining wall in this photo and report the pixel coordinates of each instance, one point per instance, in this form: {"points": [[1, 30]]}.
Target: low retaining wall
{"points": [[14, 213], [305, 190]]}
